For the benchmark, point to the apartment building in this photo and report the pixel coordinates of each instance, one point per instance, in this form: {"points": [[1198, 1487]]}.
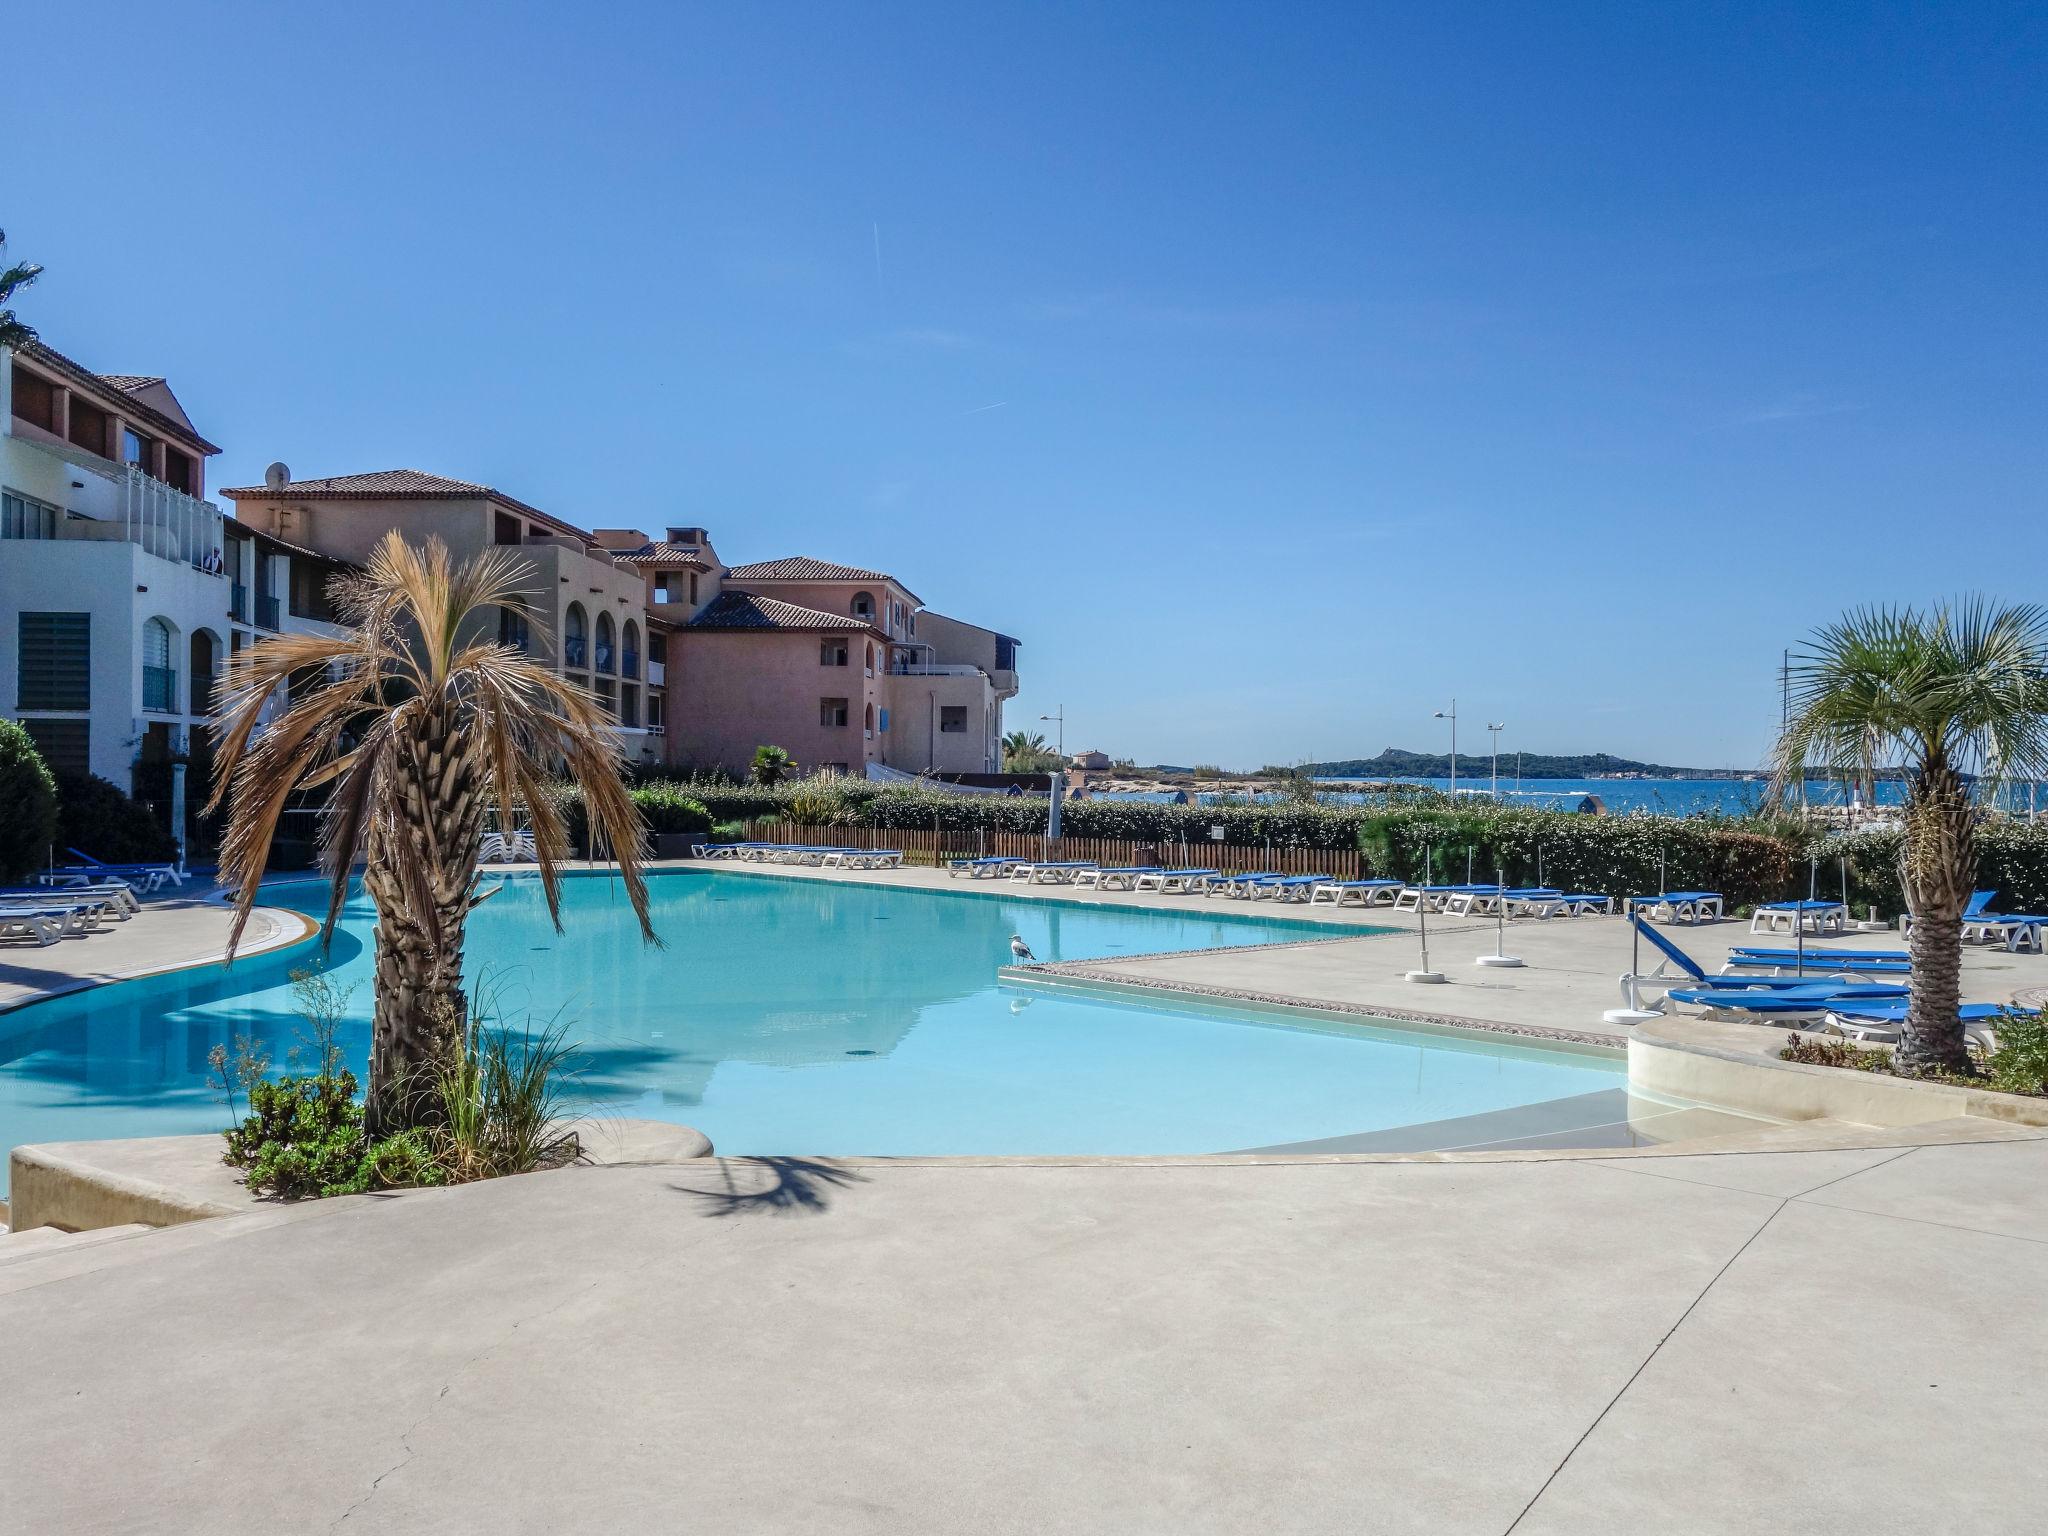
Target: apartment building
{"points": [[840, 666], [122, 589], [589, 619]]}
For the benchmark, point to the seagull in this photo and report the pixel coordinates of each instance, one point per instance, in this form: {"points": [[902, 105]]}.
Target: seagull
{"points": [[1019, 948]]}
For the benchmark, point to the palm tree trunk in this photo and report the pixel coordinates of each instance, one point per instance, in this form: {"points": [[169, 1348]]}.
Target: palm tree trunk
{"points": [[1938, 868], [422, 853]]}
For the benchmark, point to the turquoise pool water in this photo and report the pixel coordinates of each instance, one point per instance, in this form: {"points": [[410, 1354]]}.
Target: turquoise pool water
{"points": [[794, 1016]]}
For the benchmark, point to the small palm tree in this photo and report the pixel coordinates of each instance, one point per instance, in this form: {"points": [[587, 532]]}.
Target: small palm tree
{"points": [[1025, 752], [1951, 695], [14, 333], [771, 765], [415, 731]]}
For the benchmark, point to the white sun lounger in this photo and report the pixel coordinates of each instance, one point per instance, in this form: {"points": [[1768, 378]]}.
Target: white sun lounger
{"points": [[115, 896], [1174, 881], [862, 858], [1790, 916], [1366, 893], [1061, 872], [30, 923], [1124, 876]]}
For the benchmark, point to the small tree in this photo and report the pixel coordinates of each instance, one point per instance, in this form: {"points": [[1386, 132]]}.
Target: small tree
{"points": [[14, 333], [771, 765], [28, 803], [1954, 696]]}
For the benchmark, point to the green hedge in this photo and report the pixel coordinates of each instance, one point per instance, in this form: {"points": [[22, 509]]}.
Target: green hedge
{"points": [[28, 804], [1617, 855], [2011, 858], [1748, 860], [93, 815]]}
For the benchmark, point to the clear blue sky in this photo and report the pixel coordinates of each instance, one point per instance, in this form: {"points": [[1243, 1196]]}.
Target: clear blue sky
{"points": [[1275, 373]]}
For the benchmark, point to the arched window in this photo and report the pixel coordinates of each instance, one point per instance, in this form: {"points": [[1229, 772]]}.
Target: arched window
{"points": [[159, 677], [629, 650], [871, 658], [863, 606], [868, 722], [575, 639], [607, 661]]}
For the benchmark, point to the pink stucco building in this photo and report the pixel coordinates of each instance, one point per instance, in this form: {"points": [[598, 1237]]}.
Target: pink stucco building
{"points": [[838, 665]]}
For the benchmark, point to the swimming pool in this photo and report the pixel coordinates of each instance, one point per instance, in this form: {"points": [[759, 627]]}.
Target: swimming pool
{"points": [[803, 1016]]}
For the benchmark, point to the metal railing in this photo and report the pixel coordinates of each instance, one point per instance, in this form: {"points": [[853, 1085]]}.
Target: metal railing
{"points": [[266, 612], [575, 651], [160, 689], [238, 604]]}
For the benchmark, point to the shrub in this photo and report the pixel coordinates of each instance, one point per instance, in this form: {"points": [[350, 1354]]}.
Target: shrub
{"points": [[94, 815], [665, 808], [2020, 1064], [500, 1104], [771, 765], [1822, 1051], [28, 804], [2012, 858]]}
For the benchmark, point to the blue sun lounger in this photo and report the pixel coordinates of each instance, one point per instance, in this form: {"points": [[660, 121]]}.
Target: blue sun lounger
{"points": [[117, 896], [1880, 1022], [1125, 875], [1289, 888], [1175, 882], [1639, 992], [1240, 886], [1819, 960], [1744, 1004], [1679, 906], [1367, 893]]}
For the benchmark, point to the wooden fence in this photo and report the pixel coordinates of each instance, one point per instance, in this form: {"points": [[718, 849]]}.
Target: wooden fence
{"points": [[932, 847]]}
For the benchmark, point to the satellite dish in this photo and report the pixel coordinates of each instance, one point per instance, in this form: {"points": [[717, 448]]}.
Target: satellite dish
{"points": [[277, 477]]}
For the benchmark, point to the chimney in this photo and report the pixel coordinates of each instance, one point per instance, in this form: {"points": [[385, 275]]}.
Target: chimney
{"points": [[688, 536]]}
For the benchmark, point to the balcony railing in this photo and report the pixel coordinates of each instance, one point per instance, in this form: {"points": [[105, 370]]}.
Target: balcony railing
{"points": [[266, 612], [238, 604], [935, 669], [160, 690], [657, 674], [575, 652], [604, 657]]}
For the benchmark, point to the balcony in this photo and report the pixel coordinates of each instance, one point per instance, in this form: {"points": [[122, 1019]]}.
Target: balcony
{"points": [[238, 603], [629, 665], [657, 674], [266, 612], [160, 690], [937, 669], [575, 652]]}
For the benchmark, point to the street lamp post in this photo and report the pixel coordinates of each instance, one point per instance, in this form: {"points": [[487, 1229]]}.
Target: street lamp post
{"points": [[1061, 717], [1496, 727], [1452, 715]]}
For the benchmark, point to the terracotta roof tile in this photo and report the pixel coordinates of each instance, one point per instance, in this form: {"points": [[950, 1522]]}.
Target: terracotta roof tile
{"points": [[663, 554], [799, 568], [744, 610], [414, 483], [128, 383], [42, 352]]}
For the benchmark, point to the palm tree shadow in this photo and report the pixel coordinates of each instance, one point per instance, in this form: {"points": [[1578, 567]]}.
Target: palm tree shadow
{"points": [[783, 1186]]}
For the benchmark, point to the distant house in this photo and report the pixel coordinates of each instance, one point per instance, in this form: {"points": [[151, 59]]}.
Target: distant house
{"points": [[587, 617], [1093, 762], [841, 666]]}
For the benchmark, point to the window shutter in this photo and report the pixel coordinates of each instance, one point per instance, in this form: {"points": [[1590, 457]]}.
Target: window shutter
{"points": [[55, 661]]}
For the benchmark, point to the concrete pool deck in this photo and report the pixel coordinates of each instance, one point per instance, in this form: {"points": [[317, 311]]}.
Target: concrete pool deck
{"points": [[175, 929], [1810, 1341]]}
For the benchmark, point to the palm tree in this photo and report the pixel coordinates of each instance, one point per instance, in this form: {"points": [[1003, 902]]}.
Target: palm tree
{"points": [[14, 333], [416, 731], [771, 765], [1957, 694], [1024, 753]]}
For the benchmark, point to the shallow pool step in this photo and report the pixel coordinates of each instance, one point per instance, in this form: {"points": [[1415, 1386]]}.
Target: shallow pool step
{"points": [[37, 1241]]}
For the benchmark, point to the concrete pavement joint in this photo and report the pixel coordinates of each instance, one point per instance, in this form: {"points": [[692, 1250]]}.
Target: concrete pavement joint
{"points": [[1645, 1365]]}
